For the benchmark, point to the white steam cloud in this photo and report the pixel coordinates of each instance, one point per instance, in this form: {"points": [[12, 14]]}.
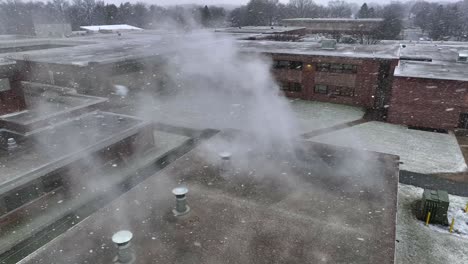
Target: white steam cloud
{"points": [[213, 80]]}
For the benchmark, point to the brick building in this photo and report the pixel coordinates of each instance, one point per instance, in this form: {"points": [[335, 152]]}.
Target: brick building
{"points": [[430, 92], [416, 84], [423, 85], [353, 75], [11, 96]]}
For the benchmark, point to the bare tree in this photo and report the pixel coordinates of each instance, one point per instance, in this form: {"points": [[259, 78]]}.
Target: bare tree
{"points": [[339, 9], [303, 8]]}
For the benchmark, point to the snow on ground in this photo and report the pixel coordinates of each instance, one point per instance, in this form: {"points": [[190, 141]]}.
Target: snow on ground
{"points": [[314, 115], [457, 211], [417, 243], [420, 151], [187, 110]]}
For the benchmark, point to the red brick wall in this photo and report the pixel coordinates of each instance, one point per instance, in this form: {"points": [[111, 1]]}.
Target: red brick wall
{"points": [[12, 100], [427, 102], [365, 81]]}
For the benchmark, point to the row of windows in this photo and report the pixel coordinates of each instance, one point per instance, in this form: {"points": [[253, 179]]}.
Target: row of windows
{"points": [[292, 65], [336, 67], [291, 86], [334, 90], [322, 67], [319, 88]]}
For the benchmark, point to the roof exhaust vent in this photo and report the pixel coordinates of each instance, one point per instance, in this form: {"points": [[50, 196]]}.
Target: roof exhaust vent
{"points": [[125, 253], [225, 155], [11, 144], [463, 56], [225, 160], [181, 201], [328, 44]]}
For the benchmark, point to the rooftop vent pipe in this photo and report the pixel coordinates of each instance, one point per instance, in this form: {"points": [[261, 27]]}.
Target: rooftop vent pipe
{"points": [[225, 155], [225, 160], [11, 144], [181, 201], [122, 240]]}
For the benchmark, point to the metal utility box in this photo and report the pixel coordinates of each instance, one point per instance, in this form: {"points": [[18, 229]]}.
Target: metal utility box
{"points": [[436, 202], [328, 44]]}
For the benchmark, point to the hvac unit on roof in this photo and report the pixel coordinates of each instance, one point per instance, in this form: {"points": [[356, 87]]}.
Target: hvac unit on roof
{"points": [[463, 56], [328, 44]]}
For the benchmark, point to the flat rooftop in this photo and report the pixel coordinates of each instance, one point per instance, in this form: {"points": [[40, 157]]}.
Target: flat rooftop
{"points": [[389, 51], [261, 207], [442, 60], [59, 145], [260, 30], [338, 20], [107, 48], [140, 45], [330, 25], [438, 52], [443, 71], [111, 48], [44, 103], [97, 28]]}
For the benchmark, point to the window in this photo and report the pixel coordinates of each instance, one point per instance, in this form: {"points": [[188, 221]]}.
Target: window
{"points": [[349, 68], [292, 65], [336, 67], [291, 87], [321, 89], [334, 90], [343, 91], [323, 67], [281, 64], [295, 65]]}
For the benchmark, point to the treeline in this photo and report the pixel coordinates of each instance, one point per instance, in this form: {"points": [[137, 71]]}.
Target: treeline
{"points": [[439, 20], [442, 21], [17, 17], [271, 12]]}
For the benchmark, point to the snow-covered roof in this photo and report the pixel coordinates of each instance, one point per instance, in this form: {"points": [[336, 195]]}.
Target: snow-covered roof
{"points": [[315, 49], [356, 20], [442, 71], [122, 27], [260, 29]]}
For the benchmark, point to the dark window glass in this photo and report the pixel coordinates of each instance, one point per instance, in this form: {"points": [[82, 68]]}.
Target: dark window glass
{"points": [[291, 87], [292, 65], [346, 91], [336, 67], [334, 90], [296, 65], [349, 68], [321, 89], [281, 64], [342, 91], [323, 67]]}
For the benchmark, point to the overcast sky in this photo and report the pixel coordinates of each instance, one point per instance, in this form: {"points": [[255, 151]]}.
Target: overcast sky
{"points": [[238, 2], [201, 2]]}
